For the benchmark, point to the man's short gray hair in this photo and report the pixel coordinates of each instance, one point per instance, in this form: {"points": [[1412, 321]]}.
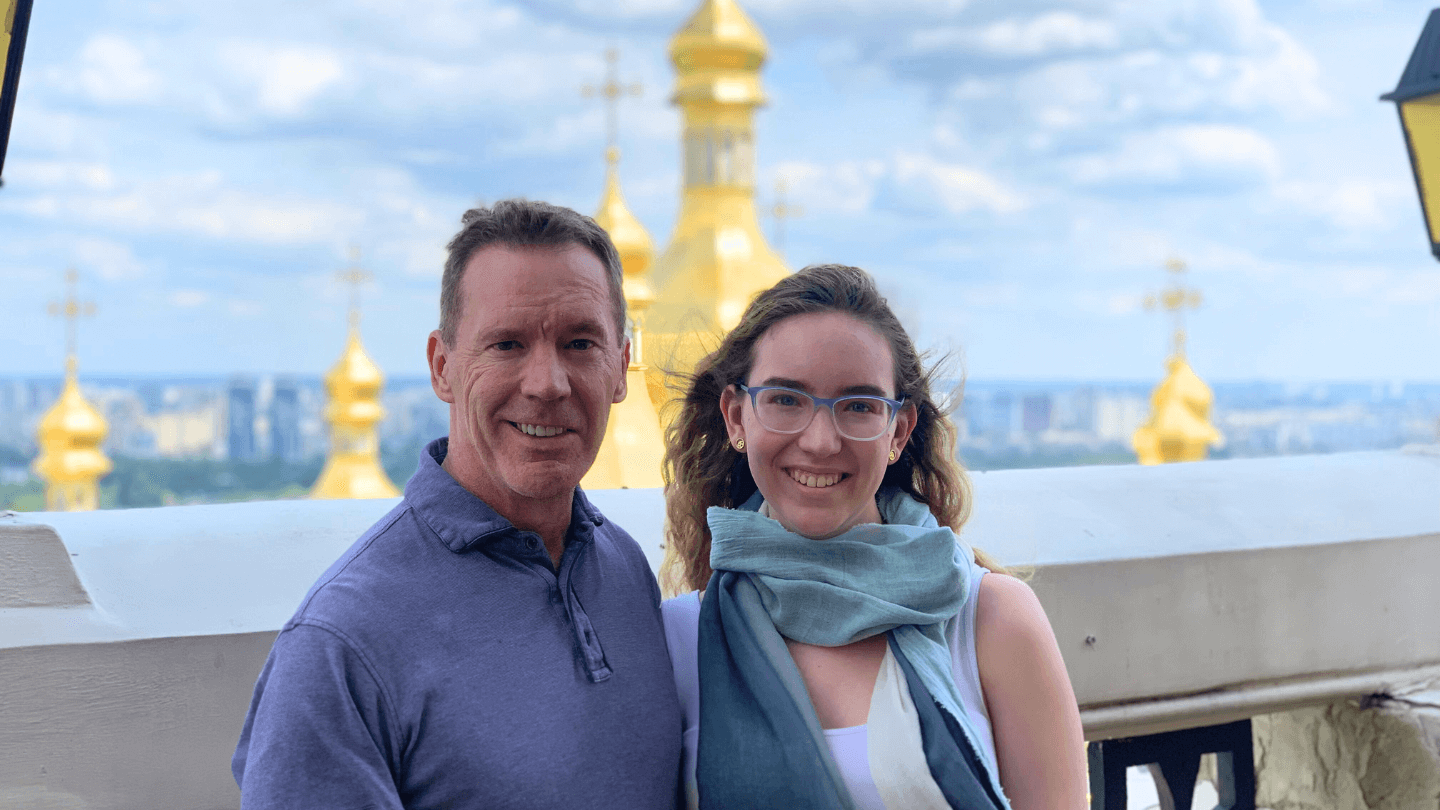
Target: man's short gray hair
{"points": [[525, 223]]}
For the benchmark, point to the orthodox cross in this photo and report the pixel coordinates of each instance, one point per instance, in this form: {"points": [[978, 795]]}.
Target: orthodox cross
{"points": [[782, 211], [72, 309], [355, 275], [611, 91], [1175, 298]]}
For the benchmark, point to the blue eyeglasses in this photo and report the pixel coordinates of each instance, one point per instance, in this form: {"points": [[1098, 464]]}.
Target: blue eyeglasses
{"points": [[860, 417]]}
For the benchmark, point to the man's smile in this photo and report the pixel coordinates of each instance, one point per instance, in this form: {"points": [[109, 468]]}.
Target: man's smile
{"points": [[539, 431]]}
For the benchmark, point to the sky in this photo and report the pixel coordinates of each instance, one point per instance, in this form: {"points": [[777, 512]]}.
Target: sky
{"points": [[1015, 173]]}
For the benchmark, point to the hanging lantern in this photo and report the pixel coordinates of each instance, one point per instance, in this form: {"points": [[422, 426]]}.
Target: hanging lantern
{"points": [[1417, 97], [14, 22]]}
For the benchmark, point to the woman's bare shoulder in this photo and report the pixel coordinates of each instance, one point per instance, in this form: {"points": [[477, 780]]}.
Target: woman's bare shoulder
{"points": [[1006, 608]]}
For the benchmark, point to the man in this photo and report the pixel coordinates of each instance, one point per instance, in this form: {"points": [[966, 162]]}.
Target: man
{"points": [[493, 641]]}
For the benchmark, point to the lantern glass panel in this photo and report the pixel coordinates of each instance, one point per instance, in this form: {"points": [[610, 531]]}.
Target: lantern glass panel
{"points": [[7, 21], [1422, 127]]}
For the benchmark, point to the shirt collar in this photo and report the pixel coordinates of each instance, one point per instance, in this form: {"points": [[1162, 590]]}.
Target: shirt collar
{"points": [[462, 520]]}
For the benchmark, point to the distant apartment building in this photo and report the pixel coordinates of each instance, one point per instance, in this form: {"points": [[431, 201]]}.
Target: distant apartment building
{"points": [[286, 442], [188, 434], [240, 420], [991, 416], [1117, 417], [1035, 413]]}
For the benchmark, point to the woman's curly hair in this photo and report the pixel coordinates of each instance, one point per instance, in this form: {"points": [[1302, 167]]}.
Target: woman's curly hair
{"points": [[702, 469]]}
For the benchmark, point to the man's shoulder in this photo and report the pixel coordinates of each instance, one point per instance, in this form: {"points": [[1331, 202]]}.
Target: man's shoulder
{"points": [[350, 587], [618, 542]]}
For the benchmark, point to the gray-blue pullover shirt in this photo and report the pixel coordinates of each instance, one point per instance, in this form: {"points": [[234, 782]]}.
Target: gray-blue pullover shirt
{"points": [[443, 662]]}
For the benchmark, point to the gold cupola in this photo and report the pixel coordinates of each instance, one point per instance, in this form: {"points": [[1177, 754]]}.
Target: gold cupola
{"points": [[353, 387], [1179, 427], [634, 447], [71, 462], [717, 259]]}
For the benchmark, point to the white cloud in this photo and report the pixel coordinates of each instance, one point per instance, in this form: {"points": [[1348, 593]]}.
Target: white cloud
{"points": [[906, 181], [113, 70], [1026, 77], [244, 309], [1350, 204], [114, 261], [1192, 155], [188, 299], [955, 188], [57, 174], [1416, 288], [204, 204], [1110, 303], [847, 187], [281, 80], [994, 294], [1049, 33]]}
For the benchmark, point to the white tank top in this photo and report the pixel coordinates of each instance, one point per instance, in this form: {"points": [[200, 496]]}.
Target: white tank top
{"points": [[848, 745]]}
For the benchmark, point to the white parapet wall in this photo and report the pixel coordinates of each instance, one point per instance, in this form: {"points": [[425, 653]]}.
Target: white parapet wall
{"points": [[1181, 595]]}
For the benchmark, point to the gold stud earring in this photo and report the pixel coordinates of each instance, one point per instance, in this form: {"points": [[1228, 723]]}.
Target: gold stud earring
{"points": [[740, 445], [892, 454]]}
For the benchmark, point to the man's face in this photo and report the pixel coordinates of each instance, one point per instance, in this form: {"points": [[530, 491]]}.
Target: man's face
{"points": [[535, 367]]}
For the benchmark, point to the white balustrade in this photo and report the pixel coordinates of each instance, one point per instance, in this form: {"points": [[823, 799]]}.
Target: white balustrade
{"points": [[1182, 595]]}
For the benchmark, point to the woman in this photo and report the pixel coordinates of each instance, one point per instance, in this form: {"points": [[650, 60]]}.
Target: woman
{"points": [[839, 646]]}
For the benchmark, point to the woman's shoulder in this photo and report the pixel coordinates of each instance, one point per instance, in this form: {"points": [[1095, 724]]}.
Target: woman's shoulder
{"points": [[681, 615], [681, 603], [1010, 624]]}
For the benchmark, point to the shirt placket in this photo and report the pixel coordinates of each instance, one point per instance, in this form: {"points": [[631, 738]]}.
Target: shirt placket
{"points": [[562, 585]]}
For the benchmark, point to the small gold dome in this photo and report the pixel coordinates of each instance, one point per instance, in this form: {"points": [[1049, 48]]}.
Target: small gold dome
{"points": [[631, 240], [70, 461], [1179, 428], [354, 385], [352, 470], [71, 419], [1187, 387]]}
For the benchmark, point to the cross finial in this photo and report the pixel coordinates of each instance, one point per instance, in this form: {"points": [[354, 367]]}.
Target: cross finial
{"points": [[1175, 298], [72, 309], [355, 275], [782, 211], [611, 91]]}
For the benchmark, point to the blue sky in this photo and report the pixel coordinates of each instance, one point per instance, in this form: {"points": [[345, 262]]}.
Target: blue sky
{"points": [[1015, 172]]}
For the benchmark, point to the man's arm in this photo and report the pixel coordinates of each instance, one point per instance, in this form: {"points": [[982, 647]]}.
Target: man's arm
{"points": [[320, 733]]}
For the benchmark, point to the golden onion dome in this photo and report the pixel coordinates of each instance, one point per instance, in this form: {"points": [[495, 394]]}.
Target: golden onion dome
{"points": [[69, 436], [719, 37], [354, 386], [1187, 387], [71, 418], [632, 241], [1179, 428], [1173, 420]]}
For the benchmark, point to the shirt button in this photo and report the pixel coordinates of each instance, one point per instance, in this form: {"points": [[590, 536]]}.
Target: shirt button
{"points": [[533, 542]]}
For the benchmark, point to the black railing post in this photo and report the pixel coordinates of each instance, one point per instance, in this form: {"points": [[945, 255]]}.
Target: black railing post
{"points": [[1174, 761]]}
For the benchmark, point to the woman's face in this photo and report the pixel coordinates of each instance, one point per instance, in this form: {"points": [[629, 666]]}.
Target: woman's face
{"points": [[818, 483]]}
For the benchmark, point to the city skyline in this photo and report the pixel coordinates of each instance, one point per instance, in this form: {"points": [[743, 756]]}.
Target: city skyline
{"points": [[1014, 175]]}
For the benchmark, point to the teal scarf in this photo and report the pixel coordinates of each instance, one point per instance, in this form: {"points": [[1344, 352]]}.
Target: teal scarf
{"points": [[760, 742]]}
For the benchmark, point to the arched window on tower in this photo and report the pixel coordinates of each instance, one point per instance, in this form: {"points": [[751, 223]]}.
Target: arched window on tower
{"points": [[694, 159], [744, 159], [725, 166], [707, 172]]}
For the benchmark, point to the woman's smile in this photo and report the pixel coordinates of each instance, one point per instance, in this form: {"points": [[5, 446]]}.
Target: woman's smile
{"points": [[815, 480]]}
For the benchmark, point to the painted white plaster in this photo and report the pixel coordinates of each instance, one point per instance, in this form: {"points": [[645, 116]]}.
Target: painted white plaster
{"points": [[1180, 586], [1084, 514]]}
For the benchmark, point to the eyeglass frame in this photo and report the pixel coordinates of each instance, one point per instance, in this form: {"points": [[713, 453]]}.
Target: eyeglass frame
{"points": [[827, 403]]}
